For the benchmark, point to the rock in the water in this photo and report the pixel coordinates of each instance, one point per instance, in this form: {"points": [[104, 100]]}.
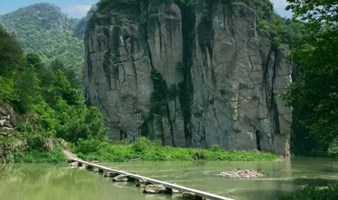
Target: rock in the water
{"points": [[141, 183], [241, 174], [109, 174], [190, 196], [97, 170], [190, 76], [73, 164], [121, 178], [83, 167], [155, 189]]}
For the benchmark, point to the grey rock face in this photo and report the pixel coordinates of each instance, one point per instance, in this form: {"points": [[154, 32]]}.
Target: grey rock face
{"points": [[7, 117], [189, 76], [155, 189]]}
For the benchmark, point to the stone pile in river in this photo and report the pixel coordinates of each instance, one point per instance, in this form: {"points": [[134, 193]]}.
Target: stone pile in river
{"points": [[248, 173]]}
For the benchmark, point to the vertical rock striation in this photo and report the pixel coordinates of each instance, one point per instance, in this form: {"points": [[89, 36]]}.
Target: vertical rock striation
{"points": [[188, 75]]}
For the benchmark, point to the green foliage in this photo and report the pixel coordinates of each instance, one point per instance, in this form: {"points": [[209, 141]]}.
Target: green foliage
{"points": [[37, 156], [315, 12], [27, 88], [315, 93], [7, 93], [36, 142], [313, 193], [160, 94], [333, 148], [143, 144], [50, 104], [79, 122], [10, 53], [144, 149], [44, 30]]}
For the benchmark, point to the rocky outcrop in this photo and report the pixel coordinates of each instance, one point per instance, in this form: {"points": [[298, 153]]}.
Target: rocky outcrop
{"points": [[188, 75], [7, 117]]}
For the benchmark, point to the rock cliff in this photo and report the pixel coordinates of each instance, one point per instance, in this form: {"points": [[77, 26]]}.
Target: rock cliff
{"points": [[189, 75]]}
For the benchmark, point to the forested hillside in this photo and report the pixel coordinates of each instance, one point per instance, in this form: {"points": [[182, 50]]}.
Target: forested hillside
{"points": [[44, 30], [39, 103]]}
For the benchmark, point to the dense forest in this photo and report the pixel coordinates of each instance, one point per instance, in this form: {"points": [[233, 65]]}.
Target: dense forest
{"points": [[48, 102], [314, 92], [44, 30]]}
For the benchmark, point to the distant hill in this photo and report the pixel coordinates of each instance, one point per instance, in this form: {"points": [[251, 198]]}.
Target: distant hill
{"points": [[43, 29]]}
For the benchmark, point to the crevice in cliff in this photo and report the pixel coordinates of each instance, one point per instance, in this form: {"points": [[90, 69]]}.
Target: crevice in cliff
{"points": [[206, 34], [100, 101], [274, 105], [269, 78], [228, 12], [130, 57], [186, 86], [123, 135], [171, 126], [146, 5], [162, 130], [266, 71], [258, 141], [106, 68], [89, 77]]}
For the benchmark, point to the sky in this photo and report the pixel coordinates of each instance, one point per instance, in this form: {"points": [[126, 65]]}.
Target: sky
{"points": [[79, 8]]}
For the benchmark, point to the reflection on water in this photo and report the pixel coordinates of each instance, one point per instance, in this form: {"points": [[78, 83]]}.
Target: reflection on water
{"points": [[40, 182]]}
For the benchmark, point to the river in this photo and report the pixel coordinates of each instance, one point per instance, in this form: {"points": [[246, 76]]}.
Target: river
{"points": [[58, 182]]}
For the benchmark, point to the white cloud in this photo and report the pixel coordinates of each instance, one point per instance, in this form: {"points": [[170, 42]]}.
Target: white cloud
{"points": [[77, 9], [279, 3]]}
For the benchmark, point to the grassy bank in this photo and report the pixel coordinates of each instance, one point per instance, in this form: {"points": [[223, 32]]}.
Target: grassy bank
{"points": [[144, 149], [34, 156], [314, 193]]}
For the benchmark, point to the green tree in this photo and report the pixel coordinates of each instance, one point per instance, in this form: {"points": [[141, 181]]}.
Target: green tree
{"points": [[10, 53], [315, 93]]}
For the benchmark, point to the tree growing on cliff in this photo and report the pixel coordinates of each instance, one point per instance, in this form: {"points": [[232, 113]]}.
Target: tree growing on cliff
{"points": [[316, 91]]}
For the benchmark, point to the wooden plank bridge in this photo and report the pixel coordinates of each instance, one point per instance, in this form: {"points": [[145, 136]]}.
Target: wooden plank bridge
{"points": [[196, 194]]}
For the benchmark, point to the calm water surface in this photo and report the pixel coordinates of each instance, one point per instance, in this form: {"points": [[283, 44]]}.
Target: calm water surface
{"points": [[54, 182]]}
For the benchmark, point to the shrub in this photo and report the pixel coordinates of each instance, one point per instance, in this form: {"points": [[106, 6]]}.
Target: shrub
{"points": [[143, 144]]}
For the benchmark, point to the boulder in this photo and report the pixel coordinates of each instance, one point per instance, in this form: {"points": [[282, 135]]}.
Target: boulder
{"points": [[121, 178], [155, 189], [250, 173], [190, 196]]}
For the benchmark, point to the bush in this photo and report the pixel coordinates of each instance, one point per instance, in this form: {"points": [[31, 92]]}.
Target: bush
{"points": [[144, 149], [333, 148], [36, 142], [199, 155], [143, 144]]}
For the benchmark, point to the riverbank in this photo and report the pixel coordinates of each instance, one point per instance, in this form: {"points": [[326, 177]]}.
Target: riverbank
{"points": [[18, 147], [146, 150]]}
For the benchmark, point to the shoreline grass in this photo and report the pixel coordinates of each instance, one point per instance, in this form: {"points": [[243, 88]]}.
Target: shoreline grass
{"points": [[329, 192], [146, 150]]}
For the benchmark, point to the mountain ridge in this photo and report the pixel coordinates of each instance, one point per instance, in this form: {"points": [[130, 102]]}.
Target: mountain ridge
{"points": [[44, 30]]}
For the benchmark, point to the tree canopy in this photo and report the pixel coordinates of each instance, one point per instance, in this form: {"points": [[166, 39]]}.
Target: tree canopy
{"points": [[44, 30], [46, 97], [315, 92]]}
